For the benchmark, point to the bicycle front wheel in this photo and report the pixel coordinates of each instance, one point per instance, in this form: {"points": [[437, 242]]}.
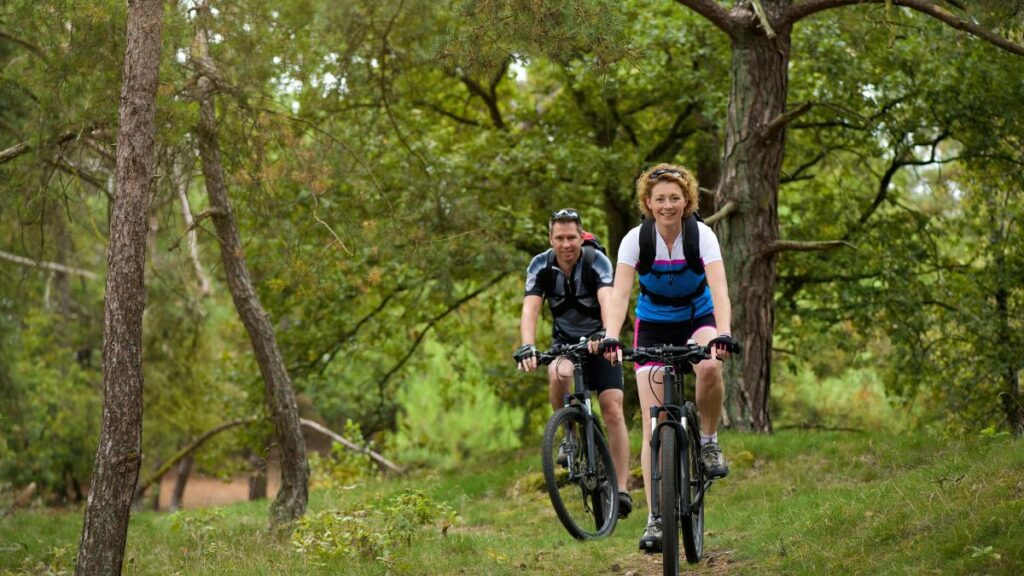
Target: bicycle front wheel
{"points": [[584, 494], [692, 519], [669, 501]]}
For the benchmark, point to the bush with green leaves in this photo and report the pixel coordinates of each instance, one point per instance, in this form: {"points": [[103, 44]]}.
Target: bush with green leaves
{"points": [[343, 466], [371, 532]]}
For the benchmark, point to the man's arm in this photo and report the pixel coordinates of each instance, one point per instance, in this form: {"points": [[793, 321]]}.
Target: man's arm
{"points": [[528, 327], [613, 309]]}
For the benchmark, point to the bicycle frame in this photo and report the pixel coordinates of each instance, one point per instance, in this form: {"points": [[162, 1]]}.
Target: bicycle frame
{"points": [[676, 419], [581, 393]]}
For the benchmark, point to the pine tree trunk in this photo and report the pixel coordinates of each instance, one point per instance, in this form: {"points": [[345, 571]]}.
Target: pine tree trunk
{"points": [[180, 482], [294, 492], [116, 467], [752, 162]]}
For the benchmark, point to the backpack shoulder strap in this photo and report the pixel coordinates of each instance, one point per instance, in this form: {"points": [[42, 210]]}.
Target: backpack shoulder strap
{"points": [[691, 244], [646, 237], [588, 274]]}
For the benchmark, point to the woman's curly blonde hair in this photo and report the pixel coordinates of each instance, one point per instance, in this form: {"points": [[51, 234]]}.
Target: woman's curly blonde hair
{"points": [[667, 173]]}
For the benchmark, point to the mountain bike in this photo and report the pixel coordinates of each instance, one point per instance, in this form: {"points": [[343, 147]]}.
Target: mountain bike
{"points": [[679, 482], [583, 489]]}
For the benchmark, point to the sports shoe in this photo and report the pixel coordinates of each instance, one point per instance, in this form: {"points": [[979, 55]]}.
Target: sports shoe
{"points": [[714, 462], [562, 459], [650, 542], [625, 504]]}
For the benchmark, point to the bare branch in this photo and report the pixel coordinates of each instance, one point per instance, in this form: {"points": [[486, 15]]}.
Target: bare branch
{"points": [[779, 122], [192, 447], [927, 7], [730, 207], [713, 12], [48, 265], [763, 18], [182, 177], [14, 151], [352, 445], [798, 246]]}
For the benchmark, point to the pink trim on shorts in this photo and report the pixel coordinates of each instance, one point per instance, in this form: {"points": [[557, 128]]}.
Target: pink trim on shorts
{"points": [[651, 365]]}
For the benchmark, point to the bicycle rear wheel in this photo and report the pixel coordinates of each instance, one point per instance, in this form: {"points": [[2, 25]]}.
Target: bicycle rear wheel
{"points": [[585, 501], [692, 519], [669, 501]]}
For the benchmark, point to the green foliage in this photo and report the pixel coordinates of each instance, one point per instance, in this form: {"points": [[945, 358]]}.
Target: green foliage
{"points": [[199, 529], [332, 536], [806, 503], [452, 411], [342, 467]]}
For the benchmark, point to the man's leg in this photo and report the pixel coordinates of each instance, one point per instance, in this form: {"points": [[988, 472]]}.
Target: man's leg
{"points": [[559, 381], [618, 437]]}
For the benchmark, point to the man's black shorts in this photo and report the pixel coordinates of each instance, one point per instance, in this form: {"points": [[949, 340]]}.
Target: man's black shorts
{"points": [[600, 374]]}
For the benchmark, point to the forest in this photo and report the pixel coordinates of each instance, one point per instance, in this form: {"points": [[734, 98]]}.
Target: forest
{"points": [[232, 230]]}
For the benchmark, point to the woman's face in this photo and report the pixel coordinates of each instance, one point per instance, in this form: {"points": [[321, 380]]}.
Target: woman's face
{"points": [[667, 202]]}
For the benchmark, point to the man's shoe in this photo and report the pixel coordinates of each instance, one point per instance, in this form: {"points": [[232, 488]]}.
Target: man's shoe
{"points": [[625, 504], [650, 542], [714, 462]]}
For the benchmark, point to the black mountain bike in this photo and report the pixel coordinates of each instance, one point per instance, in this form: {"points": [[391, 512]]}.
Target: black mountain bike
{"points": [[581, 483], [678, 479]]}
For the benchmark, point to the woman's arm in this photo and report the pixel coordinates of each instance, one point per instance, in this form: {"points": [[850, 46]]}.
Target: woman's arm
{"points": [[715, 273]]}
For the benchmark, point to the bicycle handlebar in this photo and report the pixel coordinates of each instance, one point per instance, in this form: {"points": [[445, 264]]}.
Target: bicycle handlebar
{"points": [[669, 354], [574, 351]]}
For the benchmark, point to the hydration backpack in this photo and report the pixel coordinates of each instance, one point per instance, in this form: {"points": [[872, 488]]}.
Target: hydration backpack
{"points": [[691, 251], [588, 253]]}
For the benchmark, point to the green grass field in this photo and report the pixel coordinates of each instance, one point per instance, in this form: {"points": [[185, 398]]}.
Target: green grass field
{"points": [[797, 502]]}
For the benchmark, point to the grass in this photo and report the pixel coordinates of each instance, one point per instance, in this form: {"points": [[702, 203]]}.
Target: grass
{"points": [[797, 502]]}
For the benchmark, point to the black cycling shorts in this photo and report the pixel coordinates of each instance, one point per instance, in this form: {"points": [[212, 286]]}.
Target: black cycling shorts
{"points": [[672, 333], [600, 374]]}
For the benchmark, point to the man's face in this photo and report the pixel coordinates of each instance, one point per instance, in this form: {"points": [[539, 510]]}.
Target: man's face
{"points": [[566, 240]]}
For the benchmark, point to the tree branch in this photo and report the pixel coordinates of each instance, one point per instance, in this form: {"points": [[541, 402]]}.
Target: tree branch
{"points": [[192, 447], [730, 207], [48, 265], [713, 12], [808, 7], [675, 134], [779, 122], [25, 43], [798, 246], [433, 321], [384, 462]]}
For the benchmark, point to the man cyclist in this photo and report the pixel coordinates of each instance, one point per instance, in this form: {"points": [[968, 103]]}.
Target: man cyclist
{"points": [[577, 283]]}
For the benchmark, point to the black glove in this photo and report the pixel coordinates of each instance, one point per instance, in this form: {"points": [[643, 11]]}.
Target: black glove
{"points": [[727, 342], [609, 345], [523, 352]]}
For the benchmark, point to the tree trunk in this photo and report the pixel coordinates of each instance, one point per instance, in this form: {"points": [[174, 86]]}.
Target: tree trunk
{"points": [[257, 478], [293, 495], [751, 164], [116, 467], [180, 482]]}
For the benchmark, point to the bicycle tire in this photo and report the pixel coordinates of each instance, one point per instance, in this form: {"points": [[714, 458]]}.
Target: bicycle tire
{"points": [[669, 500], [586, 504], [692, 521]]}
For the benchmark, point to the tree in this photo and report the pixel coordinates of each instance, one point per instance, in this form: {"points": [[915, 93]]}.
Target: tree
{"points": [[760, 33], [118, 457], [293, 494]]}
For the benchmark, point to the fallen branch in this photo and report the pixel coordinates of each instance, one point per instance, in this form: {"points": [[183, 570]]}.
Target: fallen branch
{"points": [[352, 445]]}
